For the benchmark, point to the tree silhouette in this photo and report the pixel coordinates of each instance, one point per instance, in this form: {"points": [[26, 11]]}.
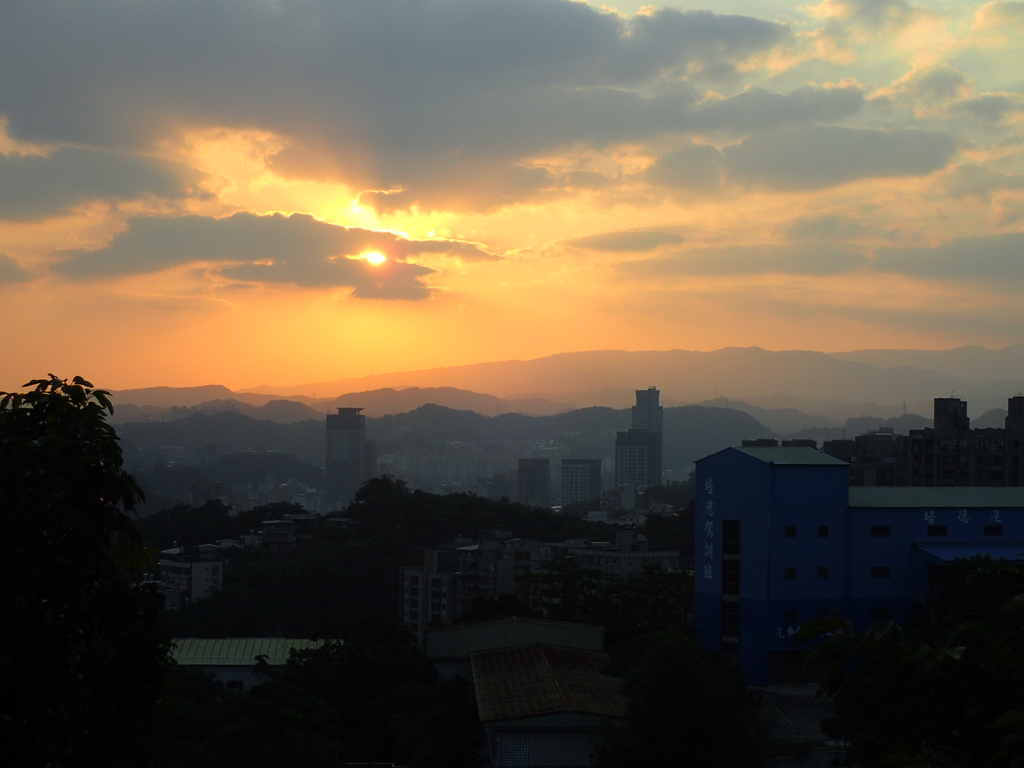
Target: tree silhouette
{"points": [[83, 653]]}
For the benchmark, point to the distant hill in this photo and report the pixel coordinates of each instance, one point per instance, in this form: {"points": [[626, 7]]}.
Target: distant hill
{"points": [[994, 419], [784, 421], [976, 364], [691, 377]]}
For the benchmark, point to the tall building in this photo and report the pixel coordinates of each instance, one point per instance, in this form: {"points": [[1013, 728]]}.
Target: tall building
{"points": [[534, 482], [638, 450], [647, 413], [581, 480], [346, 456]]}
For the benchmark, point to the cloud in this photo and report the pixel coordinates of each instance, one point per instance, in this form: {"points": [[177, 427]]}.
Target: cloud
{"points": [[825, 156], [621, 242], [995, 258], [827, 228], [296, 249], [42, 186], [751, 260], [11, 271], [695, 168], [1000, 15], [756, 110], [973, 180], [991, 107], [431, 97]]}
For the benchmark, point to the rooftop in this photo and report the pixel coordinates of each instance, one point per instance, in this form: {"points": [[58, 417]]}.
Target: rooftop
{"points": [[936, 497], [237, 651], [791, 455], [532, 680]]}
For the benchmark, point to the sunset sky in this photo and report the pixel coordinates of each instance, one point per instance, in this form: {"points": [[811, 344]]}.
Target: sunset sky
{"points": [[253, 192]]}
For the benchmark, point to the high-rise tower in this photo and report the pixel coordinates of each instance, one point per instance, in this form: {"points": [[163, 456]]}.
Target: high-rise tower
{"points": [[638, 450], [346, 456]]}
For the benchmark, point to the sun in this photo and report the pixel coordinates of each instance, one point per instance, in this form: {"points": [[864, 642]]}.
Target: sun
{"points": [[376, 258]]}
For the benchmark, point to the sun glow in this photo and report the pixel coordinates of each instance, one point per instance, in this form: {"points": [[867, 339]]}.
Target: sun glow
{"points": [[376, 258]]}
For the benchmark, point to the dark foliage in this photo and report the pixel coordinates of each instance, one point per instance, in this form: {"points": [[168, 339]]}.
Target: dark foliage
{"points": [[373, 697], [83, 651], [947, 691]]}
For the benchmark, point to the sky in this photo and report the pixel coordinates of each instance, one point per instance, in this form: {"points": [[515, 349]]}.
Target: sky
{"points": [[251, 192]]}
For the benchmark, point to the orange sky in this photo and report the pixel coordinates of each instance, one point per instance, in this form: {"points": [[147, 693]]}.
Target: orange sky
{"points": [[189, 197]]}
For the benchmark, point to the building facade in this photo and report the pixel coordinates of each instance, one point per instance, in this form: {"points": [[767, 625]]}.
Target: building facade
{"points": [[782, 538], [638, 450], [581, 480], [534, 482], [346, 456]]}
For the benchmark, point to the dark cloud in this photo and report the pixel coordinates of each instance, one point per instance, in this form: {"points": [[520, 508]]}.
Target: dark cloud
{"points": [[751, 260], [42, 186], [991, 107], [11, 271], [824, 156], [756, 110], [418, 95], [974, 180], [998, 258], [622, 242], [695, 168], [827, 228], [296, 249]]}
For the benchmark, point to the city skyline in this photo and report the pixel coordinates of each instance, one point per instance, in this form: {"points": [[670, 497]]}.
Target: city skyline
{"points": [[247, 193]]}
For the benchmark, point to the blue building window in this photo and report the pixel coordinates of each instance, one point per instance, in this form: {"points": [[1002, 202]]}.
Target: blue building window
{"points": [[823, 572], [993, 530], [938, 530], [790, 531], [789, 574], [881, 530], [881, 572], [822, 531]]}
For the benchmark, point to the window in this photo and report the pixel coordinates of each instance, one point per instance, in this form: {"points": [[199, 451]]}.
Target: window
{"points": [[823, 572], [881, 572], [789, 615], [937, 530], [789, 574], [790, 531], [881, 530], [730, 619], [880, 614], [730, 537], [822, 531], [993, 530], [730, 577]]}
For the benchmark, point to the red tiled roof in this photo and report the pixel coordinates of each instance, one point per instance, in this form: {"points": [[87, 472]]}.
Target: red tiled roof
{"points": [[533, 680]]}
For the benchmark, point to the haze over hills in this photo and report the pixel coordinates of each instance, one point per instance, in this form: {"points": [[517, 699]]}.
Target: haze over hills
{"points": [[801, 389], [738, 373]]}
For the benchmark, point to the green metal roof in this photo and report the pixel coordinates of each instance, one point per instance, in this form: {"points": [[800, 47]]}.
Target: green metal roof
{"points": [[802, 455], [237, 651], [532, 680], [917, 497]]}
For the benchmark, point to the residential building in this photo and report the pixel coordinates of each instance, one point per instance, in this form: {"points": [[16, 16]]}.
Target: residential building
{"points": [[781, 538], [627, 556], [581, 480], [186, 575]]}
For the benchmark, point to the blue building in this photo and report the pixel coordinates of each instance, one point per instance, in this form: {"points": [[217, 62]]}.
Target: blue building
{"points": [[781, 538]]}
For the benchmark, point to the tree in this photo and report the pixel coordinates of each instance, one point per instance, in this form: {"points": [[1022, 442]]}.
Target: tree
{"points": [[686, 705], [83, 652], [947, 692]]}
